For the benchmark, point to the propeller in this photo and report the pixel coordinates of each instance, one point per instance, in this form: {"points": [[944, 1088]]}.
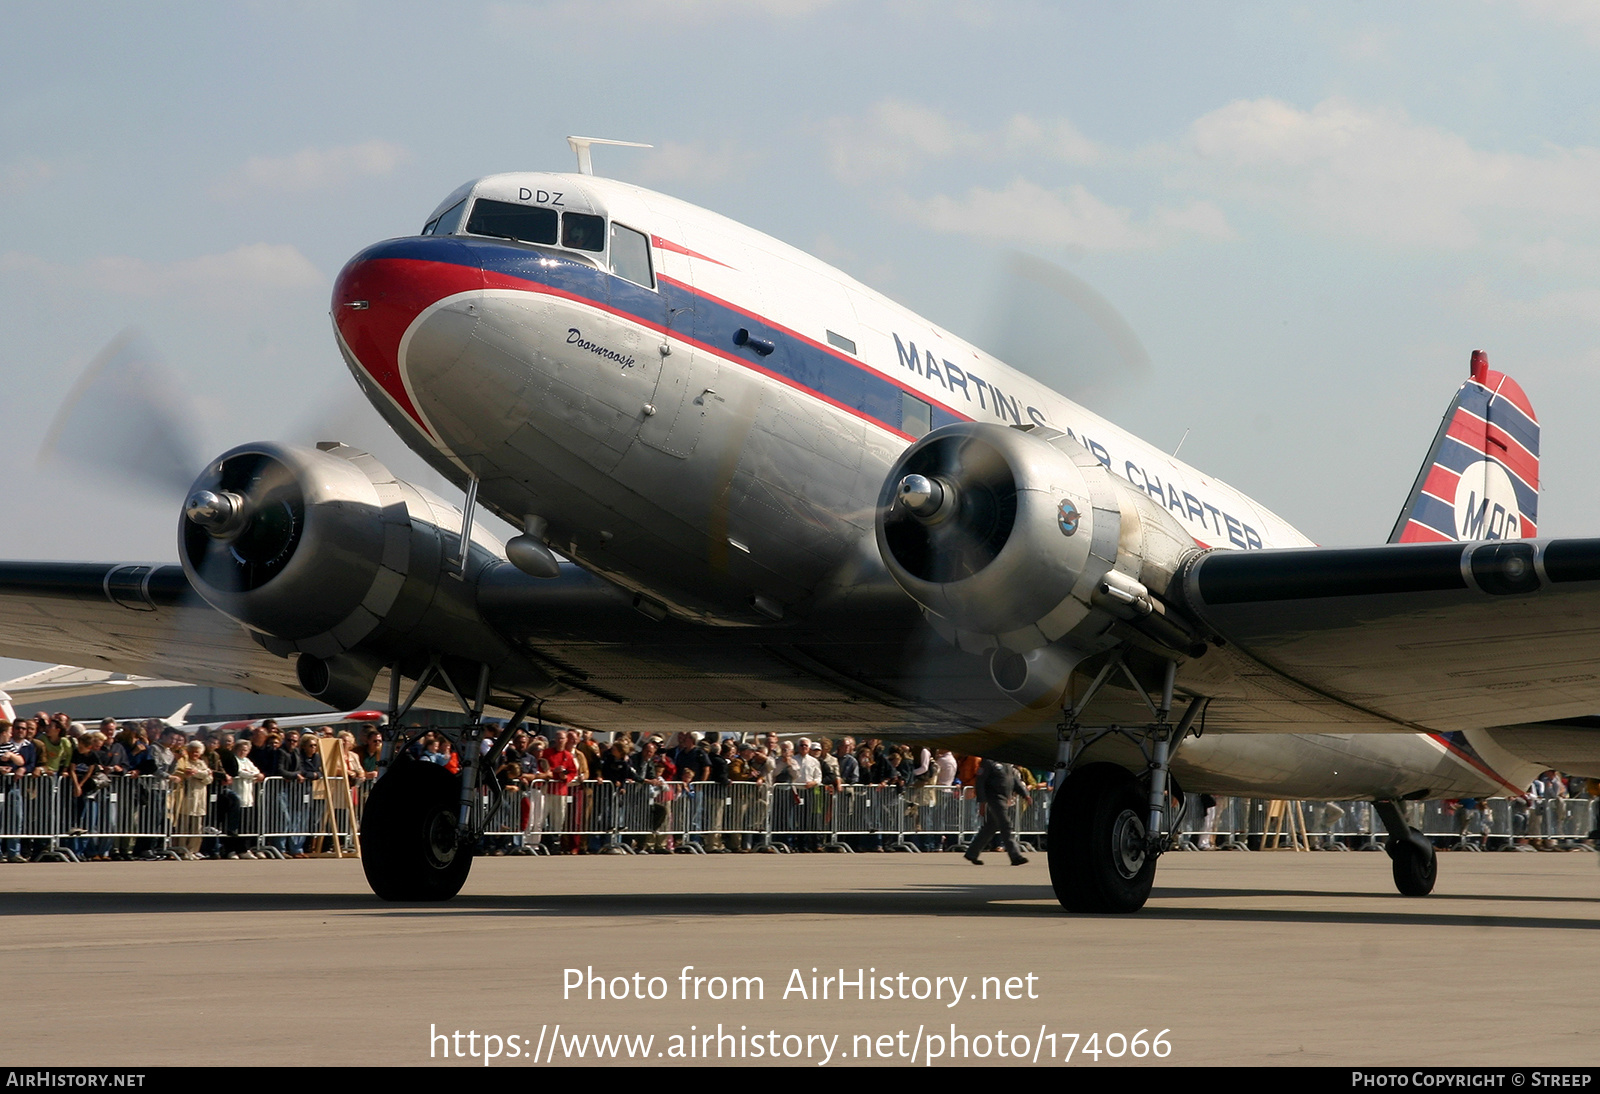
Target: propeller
{"points": [[127, 419], [1055, 327], [953, 509]]}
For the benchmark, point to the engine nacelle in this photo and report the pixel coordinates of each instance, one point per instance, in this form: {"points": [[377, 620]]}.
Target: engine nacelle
{"points": [[1013, 541], [327, 555]]}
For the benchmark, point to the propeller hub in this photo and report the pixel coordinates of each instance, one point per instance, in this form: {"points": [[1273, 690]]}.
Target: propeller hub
{"points": [[927, 499], [216, 512]]}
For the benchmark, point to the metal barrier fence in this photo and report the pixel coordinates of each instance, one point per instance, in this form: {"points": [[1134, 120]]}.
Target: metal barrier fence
{"points": [[740, 816], [45, 817], [1352, 825]]}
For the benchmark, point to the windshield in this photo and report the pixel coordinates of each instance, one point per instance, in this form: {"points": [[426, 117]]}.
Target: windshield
{"points": [[446, 222], [528, 223]]}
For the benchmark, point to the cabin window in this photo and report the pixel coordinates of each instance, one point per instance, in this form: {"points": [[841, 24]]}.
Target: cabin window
{"points": [[583, 232], [630, 256], [839, 341], [916, 416], [527, 223], [446, 222]]}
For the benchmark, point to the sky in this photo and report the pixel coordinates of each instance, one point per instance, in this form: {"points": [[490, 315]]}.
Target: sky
{"points": [[1309, 214]]}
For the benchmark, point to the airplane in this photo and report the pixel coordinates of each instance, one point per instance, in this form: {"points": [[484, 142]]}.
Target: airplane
{"points": [[752, 493], [238, 726], [69, 681]]}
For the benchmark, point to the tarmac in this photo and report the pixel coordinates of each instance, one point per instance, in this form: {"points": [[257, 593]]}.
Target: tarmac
{"points": [[1239, 958]]}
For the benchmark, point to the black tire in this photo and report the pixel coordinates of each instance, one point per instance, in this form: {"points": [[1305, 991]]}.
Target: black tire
{"points": [[1097, 828], [1416, 868], [409, 846]]}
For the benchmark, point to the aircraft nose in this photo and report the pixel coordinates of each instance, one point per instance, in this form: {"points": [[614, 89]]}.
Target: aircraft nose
{"points": [[379, 295]]}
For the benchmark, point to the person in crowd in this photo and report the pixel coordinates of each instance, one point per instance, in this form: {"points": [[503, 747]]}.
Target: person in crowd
{"points": [[245, 786], [89, 778], [371, 752], [13, 766], [224, 770], [53, 746], [311, 772], [191, 779], [533, 775], [563, 772]]}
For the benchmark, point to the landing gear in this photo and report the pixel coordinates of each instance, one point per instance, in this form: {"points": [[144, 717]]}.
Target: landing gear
{"points": [[1416, 866], [1101, 859], [1106, 826], [1415, 869], [411, 842], [421, 823]]}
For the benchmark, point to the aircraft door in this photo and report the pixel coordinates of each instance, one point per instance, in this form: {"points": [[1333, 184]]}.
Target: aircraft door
{"points": [[687, 374]]}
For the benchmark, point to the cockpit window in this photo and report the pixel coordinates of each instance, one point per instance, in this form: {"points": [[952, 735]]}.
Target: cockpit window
{"points": [[446, 222], [630, 256], [528, 223], [583, 232]]}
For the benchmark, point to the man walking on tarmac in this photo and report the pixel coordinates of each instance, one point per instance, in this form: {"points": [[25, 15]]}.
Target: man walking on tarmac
{"points": [[997, 790]]}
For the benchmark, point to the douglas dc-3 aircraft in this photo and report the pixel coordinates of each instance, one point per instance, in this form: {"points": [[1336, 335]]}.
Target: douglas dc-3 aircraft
{"points": [[754, 493]]}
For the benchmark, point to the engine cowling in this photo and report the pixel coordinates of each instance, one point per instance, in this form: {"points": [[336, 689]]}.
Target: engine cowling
{"points": [[1022, 545], [326, 555]]}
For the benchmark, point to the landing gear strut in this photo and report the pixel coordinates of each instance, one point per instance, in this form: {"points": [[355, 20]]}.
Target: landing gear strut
{"points": [[421, 823], [1416, 866], [1105, 834]]}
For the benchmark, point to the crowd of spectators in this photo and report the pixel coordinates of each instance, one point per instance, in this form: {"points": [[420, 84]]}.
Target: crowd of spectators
{"points": [[211, 780], [104, 773], [792, 778]]}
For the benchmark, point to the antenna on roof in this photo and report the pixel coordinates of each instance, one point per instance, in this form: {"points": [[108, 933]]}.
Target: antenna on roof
{"points": [[580, 145]]}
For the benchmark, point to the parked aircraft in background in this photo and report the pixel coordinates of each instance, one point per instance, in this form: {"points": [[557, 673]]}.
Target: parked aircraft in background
{"points": [[781, 500], [46, 686]]}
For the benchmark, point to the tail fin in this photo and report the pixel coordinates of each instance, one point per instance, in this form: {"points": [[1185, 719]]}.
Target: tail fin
{"points": [[1481, 477]]}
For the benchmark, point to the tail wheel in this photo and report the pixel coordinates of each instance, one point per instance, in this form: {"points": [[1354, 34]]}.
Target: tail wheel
{"points": [[410, 838], [1416, 867], [1099, 856]]}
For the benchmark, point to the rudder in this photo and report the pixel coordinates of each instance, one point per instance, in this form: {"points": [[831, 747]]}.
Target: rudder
{"points": [[1481, 477]]}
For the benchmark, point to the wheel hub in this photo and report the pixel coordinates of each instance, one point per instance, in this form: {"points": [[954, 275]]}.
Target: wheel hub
{"points": [[1128, 844], [442, 838]]}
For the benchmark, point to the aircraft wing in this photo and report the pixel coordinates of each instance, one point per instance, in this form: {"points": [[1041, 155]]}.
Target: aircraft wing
{"points": [[131, 619], [1435, 637], [1439, 636], [71, 682], [609, 667]]}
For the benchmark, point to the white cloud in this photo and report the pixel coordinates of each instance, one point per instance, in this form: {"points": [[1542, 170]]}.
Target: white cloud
{"points": [[1376, 173], [314, 168], [22, 175], [1028, 214], [897, 137], [235, 278], [1582, 14]]}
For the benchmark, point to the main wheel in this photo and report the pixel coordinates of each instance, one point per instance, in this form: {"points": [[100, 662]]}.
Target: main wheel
{"points": [[1416, 867], [1099, 861], [410, 846]]}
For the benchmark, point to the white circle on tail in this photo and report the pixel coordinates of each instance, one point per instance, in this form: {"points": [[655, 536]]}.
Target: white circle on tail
{"points": [[1486, 503]]}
